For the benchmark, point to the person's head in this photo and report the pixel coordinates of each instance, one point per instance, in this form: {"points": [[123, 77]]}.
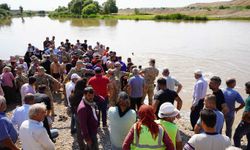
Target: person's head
{"points": [[32, 80], [162, 83], [123, 100], [21, 60], [168, 112], [85, 41], [37, 112], [117, 65], [19, 69], [79, 64], [210, 101], [214, 83], [42, 88], [98, 71], [3, 105], [247, 85], [74, 77], [208, 119], [152, 62], [197, 74], [135, 71], [165, 72], [41, 70], [129, 60], [55, 59], [6, 69], [29, 99], [47, 38], [89, 94], [231, 82]]}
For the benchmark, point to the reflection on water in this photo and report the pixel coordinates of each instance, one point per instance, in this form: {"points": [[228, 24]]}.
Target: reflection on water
{"points": [[5, 22]]}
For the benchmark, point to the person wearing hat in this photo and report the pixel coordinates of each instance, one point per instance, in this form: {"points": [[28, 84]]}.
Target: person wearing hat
{"points": [[199, 93], [167, 115], [20, 79], [121, 118], [146, 133], [33, 66]]}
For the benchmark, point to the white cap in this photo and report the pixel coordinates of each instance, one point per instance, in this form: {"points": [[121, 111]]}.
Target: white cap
{"points": [[75, 76], [198, 71], [168, 110]]}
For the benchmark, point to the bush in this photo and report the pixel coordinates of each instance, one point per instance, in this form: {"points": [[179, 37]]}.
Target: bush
{"points": [[110, 7], [89, 9], [248, 7], [4, 6], [179, 17], [223, 7]]}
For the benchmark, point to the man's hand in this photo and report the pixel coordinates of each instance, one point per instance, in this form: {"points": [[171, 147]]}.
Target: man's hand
{"points": [[192, 108]]}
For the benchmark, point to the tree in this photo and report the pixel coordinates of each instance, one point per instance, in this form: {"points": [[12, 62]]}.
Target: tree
{"points": [[4, 6], [90, 9], [110, 7], [76, 6], [21, 9]]}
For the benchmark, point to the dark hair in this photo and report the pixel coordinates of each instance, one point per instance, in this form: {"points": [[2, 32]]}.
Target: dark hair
{"points": [[161, 81], [152, 61], [98, 70], [247, 85], [77, 95], [88, 89], [216, 79], [32, 80], [42, 88], [28, 97], [230, 81], [208, 117]]}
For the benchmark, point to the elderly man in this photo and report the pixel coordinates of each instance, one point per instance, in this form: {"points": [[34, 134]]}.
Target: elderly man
{"points": [[200, 90], [32, 133], [20, 114], [171, 82], [8, 134], [150, 73]]}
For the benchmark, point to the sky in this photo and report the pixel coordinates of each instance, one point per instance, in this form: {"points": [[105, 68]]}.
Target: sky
{"points": [[53, 4]]}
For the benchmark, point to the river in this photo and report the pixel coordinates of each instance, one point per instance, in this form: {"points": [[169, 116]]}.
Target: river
{"points": [[217, 47]]}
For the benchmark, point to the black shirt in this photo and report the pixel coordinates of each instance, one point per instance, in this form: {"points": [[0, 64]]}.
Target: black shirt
{"points": [[165, 96], [219, 99], [43, 98]]}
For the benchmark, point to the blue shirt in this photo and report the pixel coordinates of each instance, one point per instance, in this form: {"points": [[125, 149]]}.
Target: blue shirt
{"points": [[7, 130], [231, 96], [136, 83]]}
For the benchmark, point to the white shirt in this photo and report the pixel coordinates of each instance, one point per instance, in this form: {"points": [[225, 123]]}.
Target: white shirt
{"points": [[200, 90], [69, 87], [171, 82], [20, 114], [34, 136]]}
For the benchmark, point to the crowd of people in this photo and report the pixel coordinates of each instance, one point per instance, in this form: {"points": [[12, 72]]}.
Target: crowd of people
{"points": [[103, 91]]}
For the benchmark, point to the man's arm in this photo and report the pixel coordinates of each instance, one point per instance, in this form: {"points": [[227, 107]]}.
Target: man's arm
{"points": [[155, 104], [7, 142], [179, 102], [225, 108], [45, 141], [179, 87]]}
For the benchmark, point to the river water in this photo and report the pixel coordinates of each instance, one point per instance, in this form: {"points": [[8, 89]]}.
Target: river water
{"points": [[217, 47]]}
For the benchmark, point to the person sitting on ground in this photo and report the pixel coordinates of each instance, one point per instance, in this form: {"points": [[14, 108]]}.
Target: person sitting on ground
{"points": [[210, 139], [146, 133], [8, 134], [121, 118], [32, 133], [210, 103], [168, 113], [20, 114]]}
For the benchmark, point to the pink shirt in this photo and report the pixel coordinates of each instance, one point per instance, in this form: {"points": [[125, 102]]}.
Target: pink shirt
{"points": [[7, 79]]}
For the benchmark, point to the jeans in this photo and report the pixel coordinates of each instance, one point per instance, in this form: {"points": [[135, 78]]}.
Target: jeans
{"points": [[135, 102], [195, 114], [229, 123], [242, 129], [73, 122], [102, 106], [94, 145]]}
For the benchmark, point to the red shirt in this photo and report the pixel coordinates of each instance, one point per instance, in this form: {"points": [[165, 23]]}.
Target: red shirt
{"points": [[100, 85]]}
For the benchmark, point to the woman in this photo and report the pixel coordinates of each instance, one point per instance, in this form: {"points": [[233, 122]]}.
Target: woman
{"points": [[8, 85], [121, 118], [75, 99], [147, 133]]}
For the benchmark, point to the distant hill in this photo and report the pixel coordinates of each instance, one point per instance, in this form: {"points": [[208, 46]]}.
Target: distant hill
{"points": [[225, 3]]}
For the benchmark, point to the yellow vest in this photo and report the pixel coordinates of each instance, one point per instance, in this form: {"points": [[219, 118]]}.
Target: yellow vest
{"points": [[171, 129], [146, 141]]}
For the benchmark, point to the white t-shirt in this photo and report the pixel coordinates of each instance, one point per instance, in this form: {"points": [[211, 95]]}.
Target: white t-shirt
{"points": [[171, 83], [205, 141]]}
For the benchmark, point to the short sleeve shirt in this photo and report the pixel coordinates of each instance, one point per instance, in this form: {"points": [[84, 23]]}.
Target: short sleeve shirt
{"points": [[7, 130], [247, 107], [219, 99]]}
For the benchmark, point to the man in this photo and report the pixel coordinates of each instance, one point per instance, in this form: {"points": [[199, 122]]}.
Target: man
{"points": [[200, 90], [32, 133], [136, 87], [87, 117], [100, 85], [20, 79], [20, 114], [8, 134], [171, 82], [244, 126], [46, 43], [214, 85], [210, 103], [55, 68], [167, 115], [28, 88], [231, 96], [210, 139], [165, 95], [150, 73]]}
